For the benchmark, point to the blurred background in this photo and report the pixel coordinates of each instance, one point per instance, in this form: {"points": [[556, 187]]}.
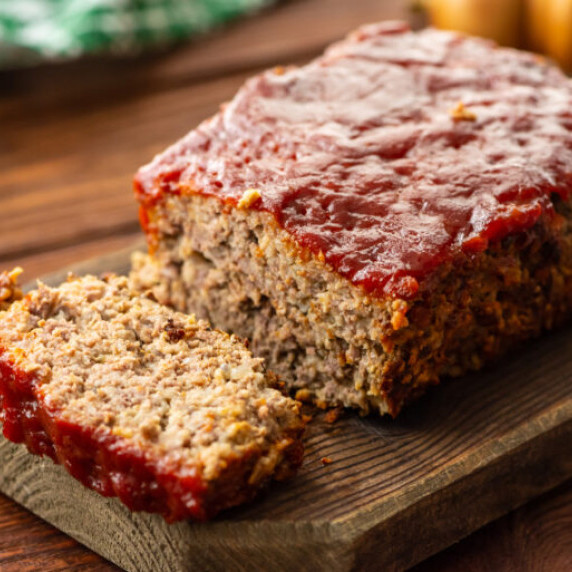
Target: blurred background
{"points": [[36, 31], [91, 89], [543, 26]]}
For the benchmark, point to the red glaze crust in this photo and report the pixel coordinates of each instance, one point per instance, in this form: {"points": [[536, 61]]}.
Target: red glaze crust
{"points": [[389, 155]]}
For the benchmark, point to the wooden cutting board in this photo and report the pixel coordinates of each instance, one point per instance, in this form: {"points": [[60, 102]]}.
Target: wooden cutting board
{"points": [[394, 493]]}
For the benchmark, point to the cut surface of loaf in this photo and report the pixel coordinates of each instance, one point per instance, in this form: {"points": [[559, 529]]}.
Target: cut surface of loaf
{"points": [[141, 402], [394, 212]]}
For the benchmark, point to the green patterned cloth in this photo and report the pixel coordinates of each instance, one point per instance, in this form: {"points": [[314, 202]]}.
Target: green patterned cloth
{"points": [[32, 30]]}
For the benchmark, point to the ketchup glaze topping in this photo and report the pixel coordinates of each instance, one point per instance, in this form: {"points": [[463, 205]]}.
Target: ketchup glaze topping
{"points": [[392, 153]]}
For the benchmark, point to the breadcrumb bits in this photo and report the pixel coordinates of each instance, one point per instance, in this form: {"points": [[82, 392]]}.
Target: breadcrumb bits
{"points": [[10, 290], [398, 318], [326, 461], [249, 197], [15, 273], [461, 113]]}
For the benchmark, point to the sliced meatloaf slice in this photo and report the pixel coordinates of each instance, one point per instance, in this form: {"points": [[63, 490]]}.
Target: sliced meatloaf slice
{"points": [[141, 402], [396, 211]]}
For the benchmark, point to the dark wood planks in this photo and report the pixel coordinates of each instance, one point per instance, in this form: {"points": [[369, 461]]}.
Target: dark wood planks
{"points": [[40, 263], [536, 537], [395, 492], [46, 548], [290, 30], [78, 186]]}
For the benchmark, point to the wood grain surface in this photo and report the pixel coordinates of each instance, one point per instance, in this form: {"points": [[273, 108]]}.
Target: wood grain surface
{"points": [[71, 137]]}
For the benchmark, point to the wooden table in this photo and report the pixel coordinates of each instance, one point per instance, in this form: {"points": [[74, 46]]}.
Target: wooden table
{"points": [[71, 137]]}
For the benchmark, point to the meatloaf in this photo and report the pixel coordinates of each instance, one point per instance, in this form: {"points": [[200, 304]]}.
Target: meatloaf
{"points": [[141, 402], [394, 212]]}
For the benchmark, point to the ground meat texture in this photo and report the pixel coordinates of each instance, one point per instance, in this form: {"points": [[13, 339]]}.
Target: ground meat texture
{"points": [[141, 402], [394, 212], [332, 343]]}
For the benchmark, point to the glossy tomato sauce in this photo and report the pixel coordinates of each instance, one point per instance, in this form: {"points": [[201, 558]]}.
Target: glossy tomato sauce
{"points": [[391, 154]]}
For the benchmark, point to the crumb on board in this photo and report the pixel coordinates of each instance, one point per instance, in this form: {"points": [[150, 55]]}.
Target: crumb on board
{"points": [[326, 461], [306, 419], [333, 414], [249, 197], [461, 113]]}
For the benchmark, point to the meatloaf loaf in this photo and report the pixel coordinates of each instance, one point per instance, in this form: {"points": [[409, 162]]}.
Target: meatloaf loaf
{"points": [[141, 402], [396, 211]]}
